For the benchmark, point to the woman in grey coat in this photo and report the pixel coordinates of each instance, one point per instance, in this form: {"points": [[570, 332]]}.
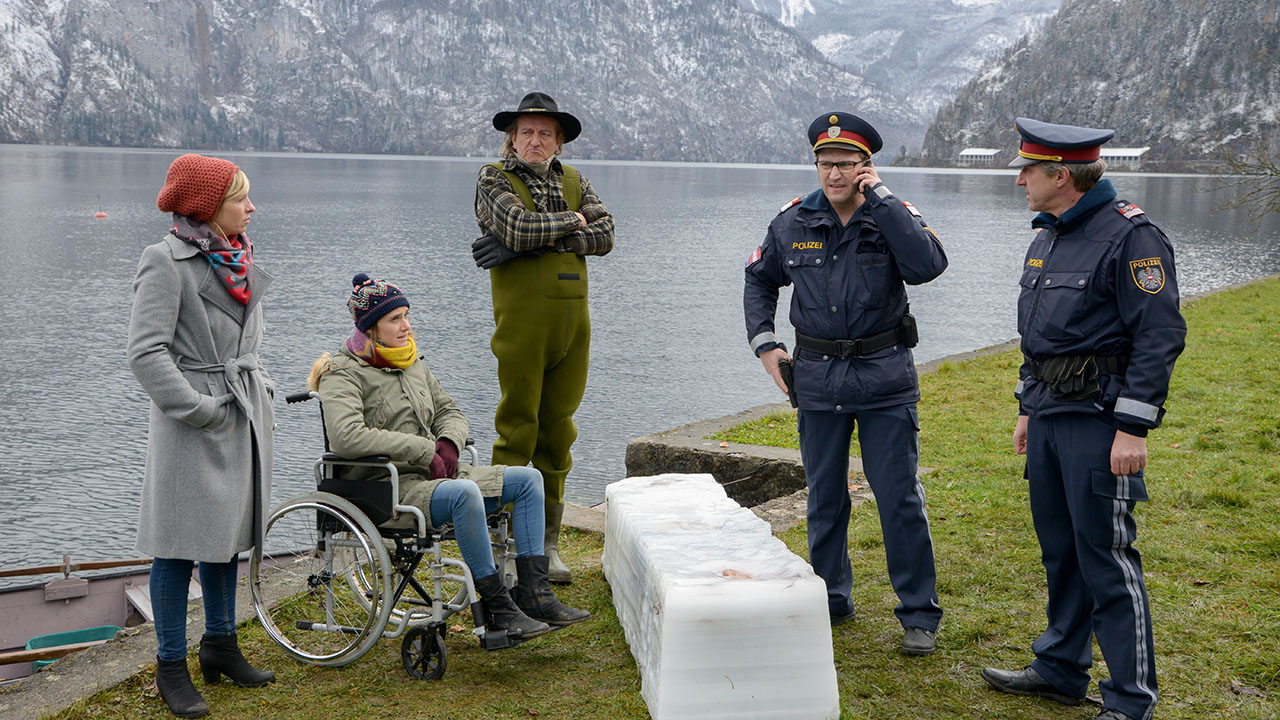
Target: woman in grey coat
{"points": [[193, 346]]}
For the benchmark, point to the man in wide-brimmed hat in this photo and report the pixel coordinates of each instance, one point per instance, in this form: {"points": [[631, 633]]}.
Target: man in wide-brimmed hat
{"points": [[540, 219]]}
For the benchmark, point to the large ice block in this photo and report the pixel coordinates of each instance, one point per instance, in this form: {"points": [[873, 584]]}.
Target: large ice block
{"points": [[723, 620]]}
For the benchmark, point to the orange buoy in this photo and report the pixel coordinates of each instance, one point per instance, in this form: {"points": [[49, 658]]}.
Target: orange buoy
{"points": [[99, 214]]}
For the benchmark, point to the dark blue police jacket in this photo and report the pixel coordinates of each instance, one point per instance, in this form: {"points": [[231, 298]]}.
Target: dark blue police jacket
{"points": [[1100, 280], [848, 285]]}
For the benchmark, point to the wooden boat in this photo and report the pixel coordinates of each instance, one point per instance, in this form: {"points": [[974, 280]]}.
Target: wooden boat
{"points": [[120, 597]]}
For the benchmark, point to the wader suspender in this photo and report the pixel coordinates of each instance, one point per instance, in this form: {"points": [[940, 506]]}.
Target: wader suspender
{"points": [[572, 187]]}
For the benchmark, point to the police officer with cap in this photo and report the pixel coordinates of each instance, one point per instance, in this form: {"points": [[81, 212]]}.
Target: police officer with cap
{"points": [[1100, 326], [849, 248]]}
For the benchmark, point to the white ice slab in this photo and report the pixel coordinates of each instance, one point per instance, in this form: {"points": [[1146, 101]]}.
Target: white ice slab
{"points": [[723, 620]]}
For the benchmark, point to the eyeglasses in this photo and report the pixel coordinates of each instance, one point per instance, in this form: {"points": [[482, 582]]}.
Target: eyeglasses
{"points": [[845, 166]]}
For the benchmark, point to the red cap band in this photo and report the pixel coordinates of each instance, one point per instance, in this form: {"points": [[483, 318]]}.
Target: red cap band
{"points": [[846, 137], [1035, 151]]}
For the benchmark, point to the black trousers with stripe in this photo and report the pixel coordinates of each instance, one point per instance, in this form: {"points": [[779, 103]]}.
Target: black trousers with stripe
{"points": [[1083, 518]]}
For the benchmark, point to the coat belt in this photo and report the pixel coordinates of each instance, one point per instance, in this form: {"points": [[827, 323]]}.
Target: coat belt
{"points": [[232, 370]]}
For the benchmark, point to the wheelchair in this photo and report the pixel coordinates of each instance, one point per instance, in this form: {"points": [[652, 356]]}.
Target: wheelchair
{"points": [[344, 582]]}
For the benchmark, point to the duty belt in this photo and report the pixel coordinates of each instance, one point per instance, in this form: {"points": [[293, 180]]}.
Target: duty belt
{"points": [[1107, 365], [845, 348]]}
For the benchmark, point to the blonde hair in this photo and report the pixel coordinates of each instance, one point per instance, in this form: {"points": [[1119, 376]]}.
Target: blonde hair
{"points": [[239, 188], [318, 368]]}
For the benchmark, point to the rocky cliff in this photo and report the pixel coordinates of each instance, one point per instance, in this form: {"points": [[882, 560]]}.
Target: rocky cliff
{"points": [[698, 80], [1193, 79]]}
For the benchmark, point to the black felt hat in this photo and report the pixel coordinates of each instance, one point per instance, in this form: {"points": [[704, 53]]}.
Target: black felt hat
{"points": [[536, 103]]}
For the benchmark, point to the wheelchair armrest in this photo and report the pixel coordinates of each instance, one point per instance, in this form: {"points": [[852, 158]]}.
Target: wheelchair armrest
{"points": [[366, 461]]}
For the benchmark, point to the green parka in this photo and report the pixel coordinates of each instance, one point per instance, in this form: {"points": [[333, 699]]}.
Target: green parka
{"points": [[400, 414]]}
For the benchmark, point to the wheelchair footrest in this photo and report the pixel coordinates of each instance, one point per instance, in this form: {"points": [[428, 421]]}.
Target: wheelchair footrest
{"points": [[499, 640]]}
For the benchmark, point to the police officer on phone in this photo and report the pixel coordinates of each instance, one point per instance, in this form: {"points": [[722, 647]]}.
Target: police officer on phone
{"points": [[849, 248], [1100, 326]]}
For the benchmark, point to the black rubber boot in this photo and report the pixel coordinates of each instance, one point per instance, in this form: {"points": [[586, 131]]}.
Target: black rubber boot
{"points": [[173, 681], [534, 595], [220, 655], [502, 614]]}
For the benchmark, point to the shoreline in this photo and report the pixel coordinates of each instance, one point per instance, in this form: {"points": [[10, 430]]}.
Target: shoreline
{"points": [[82, 674]]}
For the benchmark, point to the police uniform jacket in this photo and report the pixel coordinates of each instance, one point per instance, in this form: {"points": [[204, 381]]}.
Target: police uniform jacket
{"points": [[1100, 280], [849, 284]]}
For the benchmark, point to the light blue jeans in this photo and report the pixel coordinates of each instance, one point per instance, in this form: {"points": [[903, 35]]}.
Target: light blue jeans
{"points": [[459, 502], [170, 578]]}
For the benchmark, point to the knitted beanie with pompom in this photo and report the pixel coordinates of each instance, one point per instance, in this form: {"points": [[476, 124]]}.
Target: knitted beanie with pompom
{"points": [[371, 299]]}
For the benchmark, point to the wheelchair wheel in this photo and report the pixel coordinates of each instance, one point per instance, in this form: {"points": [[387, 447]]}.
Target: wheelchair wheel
{"points": [[303, 600], [423, 652]]}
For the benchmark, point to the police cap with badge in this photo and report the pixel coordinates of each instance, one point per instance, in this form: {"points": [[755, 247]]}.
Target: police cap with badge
{"points": [[844, 131], [1048, 142]]}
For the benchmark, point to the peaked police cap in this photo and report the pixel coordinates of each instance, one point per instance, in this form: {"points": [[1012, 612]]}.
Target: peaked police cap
{"points": [[1042, 141], [844, 131], [536, 103]]}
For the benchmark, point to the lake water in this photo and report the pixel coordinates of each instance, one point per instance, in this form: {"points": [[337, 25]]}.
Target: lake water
{"points": [[669, 345]]}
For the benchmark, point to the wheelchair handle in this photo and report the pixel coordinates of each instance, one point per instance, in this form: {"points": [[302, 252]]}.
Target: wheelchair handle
{"points": [[300, 397]]}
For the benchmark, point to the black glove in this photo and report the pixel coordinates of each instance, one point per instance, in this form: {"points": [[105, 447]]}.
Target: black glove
{"points": [[489, 252]]}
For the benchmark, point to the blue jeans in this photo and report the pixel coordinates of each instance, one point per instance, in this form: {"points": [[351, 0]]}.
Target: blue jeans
{"points": [[459, 502], [170, 578]]}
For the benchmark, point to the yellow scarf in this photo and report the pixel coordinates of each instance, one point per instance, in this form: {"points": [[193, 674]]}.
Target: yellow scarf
{"points": [[379, 355], [401, 357]]}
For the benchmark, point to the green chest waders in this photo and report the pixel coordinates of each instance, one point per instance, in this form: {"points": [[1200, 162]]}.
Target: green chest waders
{"points": [[541, 341]]}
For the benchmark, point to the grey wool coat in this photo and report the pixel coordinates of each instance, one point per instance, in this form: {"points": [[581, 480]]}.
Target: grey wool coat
{"points": [[194, 349]]}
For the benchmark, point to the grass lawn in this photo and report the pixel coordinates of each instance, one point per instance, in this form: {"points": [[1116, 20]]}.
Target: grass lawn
{"points": [[1208, 537]]}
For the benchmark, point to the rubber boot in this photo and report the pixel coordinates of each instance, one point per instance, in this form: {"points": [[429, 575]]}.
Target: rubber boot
{"points": [[220, 655], [501, 613], [534, 596], [558, 572], [173, 682]]}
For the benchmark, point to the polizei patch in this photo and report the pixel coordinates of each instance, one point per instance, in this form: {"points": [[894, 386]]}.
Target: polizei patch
{"points": [[1148, 274]]}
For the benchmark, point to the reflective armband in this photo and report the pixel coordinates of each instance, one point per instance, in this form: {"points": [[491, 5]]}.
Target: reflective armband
{"points": [[763, 338], [1140, 410]]}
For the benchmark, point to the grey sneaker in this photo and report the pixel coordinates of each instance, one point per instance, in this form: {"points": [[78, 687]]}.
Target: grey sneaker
{"points": [[1112, 715], [918, 641]]}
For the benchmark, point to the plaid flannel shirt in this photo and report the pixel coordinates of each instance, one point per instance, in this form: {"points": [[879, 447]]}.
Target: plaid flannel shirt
{"points": [[499, 211]]}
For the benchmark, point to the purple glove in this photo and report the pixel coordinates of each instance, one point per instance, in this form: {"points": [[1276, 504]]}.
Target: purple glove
{"points": [[447, 457]]}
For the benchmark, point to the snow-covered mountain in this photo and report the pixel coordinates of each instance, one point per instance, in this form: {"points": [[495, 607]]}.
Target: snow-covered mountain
{"points": [[652, 79], [1195, 81], [921, 51]]}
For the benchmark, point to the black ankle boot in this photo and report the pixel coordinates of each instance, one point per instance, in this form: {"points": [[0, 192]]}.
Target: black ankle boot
{"points": [[502, 614], [220, 655], [534, 595], [174, 684]]}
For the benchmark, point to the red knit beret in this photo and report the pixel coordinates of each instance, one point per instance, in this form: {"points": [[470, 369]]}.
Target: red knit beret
{"points": [[195, 186]]}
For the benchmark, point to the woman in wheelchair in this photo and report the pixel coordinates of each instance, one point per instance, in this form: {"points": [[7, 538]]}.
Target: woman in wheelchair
{"points": [[380, 398]]}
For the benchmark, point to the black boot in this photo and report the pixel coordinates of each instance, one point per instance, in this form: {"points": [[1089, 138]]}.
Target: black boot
{"points": [[502, 614], [220, 655], [174, 684], [534, 596]]}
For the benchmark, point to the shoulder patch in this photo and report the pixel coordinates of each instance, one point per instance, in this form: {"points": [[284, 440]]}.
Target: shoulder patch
{"points": [[789, 204], [755, 256], [911, 208], [1148, 274], [1128, 209]]}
